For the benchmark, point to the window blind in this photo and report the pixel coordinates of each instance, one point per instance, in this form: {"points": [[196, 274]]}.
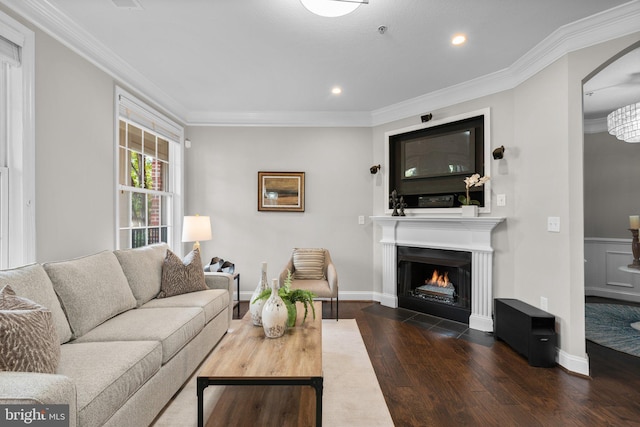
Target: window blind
{"points": [[9, 52], [145, 117]]}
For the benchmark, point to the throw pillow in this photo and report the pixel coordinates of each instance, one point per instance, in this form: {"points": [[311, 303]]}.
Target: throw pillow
{"points": [[182, 276], [28, 337], [308, 264], [91, 289], [143, 269]]}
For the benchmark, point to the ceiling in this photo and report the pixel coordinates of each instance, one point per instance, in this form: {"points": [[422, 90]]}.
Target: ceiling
{"points": [[616, 85], [259, 61]]}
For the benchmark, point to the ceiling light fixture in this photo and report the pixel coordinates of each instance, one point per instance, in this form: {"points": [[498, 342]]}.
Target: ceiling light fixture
{"points": [[332, 8], [624, 123], [458, 39], [336, 90]]}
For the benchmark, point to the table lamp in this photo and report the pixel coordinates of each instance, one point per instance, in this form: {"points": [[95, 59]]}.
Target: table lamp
{"points": [[196, 228]]}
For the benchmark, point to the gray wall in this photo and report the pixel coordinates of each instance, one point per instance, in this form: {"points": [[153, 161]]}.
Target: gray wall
{"points": [[540, 124], [221, 180], [611, 185], [74, 154]]}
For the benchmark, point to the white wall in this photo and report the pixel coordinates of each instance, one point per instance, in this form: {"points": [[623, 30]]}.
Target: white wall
{"points": [[222, 181]]}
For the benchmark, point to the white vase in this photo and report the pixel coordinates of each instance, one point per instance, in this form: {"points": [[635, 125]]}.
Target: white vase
{"points": [[469, 211], [255, 308], [274, 314]]}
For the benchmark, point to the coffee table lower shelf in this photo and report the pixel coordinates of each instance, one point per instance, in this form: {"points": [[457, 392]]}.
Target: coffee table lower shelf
{"points": [[315, 382]]}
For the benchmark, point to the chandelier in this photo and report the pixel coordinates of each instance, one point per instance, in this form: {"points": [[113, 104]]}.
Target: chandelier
{"points": [[332, 8], [624, 123]]}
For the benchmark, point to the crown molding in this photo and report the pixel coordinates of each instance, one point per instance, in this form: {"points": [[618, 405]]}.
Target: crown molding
{"points": [[58, 25], [281, 118], [595, 125], [613, 23], [607, 25]]}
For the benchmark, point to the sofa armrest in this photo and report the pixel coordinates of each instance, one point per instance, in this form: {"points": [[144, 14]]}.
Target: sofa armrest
{"points": [[215, 280], [29, 388]]}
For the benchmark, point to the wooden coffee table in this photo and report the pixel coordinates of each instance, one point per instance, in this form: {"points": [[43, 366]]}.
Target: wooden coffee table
{"points": [[246, 357]]}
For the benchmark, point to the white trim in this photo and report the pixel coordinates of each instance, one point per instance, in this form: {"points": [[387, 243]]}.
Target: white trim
{"points": [[61, 27], [21, 146], [4, 217], [595, 125], [576, 364], [141, 109], [486, 112], [607, 25]]}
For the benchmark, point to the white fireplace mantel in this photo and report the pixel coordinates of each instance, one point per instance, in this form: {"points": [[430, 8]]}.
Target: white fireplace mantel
{"points": [[453, 233]]}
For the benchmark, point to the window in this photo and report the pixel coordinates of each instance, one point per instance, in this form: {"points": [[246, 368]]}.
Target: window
{"points": [[149, 175], [17, 146]]}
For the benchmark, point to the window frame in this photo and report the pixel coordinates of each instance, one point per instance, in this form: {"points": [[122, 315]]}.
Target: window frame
{"points": [[19, 242], [147, 118]]}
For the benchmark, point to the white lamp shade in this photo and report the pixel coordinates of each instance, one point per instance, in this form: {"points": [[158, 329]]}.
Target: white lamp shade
{"points": [[196, 228]]}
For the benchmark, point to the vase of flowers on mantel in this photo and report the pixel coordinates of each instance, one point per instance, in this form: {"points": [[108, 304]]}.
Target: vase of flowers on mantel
{"points": [[470, 207]]}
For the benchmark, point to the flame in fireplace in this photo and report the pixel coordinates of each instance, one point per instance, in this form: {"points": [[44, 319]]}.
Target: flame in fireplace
{"points": [[437, 279]]}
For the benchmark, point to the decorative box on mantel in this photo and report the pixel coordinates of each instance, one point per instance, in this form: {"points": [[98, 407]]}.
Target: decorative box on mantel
{"points": [[450, 233]]}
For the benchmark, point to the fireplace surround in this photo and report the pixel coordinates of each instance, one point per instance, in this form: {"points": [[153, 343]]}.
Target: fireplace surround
{"points": [[452, 233]]}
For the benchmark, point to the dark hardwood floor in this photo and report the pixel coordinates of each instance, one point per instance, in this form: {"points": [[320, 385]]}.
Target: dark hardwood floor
{"points": [[435, 372]]}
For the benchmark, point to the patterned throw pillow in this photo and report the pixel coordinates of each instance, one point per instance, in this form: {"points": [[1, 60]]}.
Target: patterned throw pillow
{"points": [[182, 276], [28, 337], [308, 264]]}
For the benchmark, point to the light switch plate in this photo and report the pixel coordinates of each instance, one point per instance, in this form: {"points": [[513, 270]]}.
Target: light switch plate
{"points": [[501, 200], [361, 220], [553, 224]]}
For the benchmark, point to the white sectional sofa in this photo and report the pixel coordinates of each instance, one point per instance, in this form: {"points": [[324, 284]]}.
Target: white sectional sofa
{"points": [[123, 352]]}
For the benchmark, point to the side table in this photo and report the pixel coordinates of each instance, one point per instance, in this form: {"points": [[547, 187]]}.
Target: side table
{"points": [[236, 305]]}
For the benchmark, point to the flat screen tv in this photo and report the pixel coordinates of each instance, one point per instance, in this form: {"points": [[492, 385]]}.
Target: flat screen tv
{"points": [[428, 166]]}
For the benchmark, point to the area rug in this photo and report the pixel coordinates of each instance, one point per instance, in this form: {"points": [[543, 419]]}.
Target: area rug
{"points": [[610, 325], [352, 395]]}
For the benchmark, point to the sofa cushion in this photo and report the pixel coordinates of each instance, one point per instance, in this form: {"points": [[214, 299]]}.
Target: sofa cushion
{"points": [[28, 338], [32, 282], [143, 270], [212, 301], [91, 289], [308, 264], [173, 327], [182, 276], [106, 374]]}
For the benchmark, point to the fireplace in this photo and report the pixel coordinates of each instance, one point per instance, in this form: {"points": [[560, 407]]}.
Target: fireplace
{"points": [[451, 233], [435, 281]]}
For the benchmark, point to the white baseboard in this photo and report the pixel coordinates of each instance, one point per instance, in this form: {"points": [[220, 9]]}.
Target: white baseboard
{"points": [[578, 365], [612, 293], [481, 323]]}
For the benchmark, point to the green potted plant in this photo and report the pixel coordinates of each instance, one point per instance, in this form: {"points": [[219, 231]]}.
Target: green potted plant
{"points": [[290, 297]]}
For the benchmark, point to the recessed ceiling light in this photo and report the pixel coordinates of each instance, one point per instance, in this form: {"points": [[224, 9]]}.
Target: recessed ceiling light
{"points": [[336, 90], [458, 39]]}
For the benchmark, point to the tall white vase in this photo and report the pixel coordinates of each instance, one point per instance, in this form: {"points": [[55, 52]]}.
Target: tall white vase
{"points": [[274, 314], [255, 308]]}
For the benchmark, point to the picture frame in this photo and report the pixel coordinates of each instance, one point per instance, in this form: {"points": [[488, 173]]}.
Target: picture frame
{"points": [[280, 191]]}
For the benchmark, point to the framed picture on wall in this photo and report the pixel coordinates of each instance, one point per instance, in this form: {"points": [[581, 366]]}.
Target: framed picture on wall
{"points": [[281, 191]]}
